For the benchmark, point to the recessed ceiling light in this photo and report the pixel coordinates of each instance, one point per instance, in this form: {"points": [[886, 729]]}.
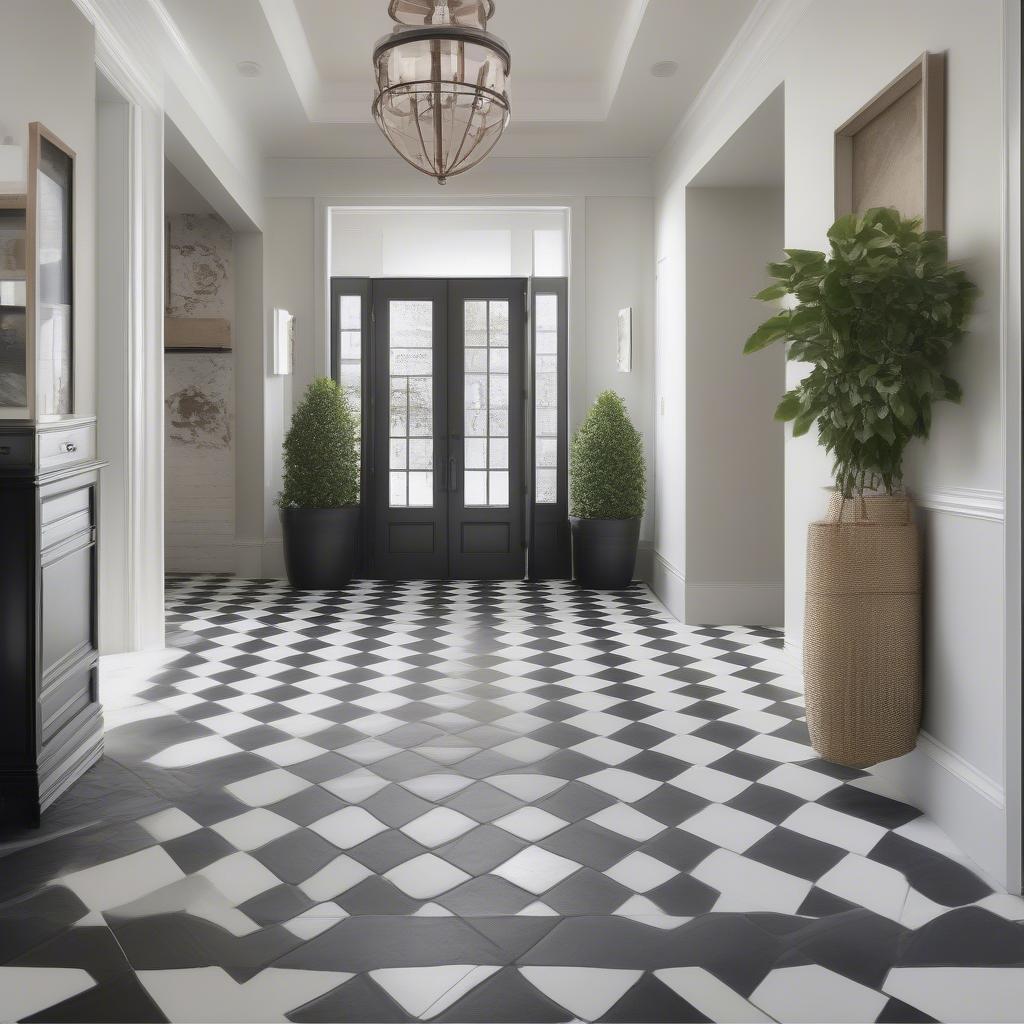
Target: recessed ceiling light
{"points": [[249, 68], [664, 68]]}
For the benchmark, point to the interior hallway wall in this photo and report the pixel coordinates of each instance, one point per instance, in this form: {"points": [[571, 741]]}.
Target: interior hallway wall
{"points": [[199, 402], [959, 773], [735, 466]]}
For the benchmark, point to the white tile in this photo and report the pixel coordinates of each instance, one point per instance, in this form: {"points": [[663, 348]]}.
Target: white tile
{"points": [[775, 748], [746, 885], [309, 703], [244, 702], [649, 913], [525, 750], [170, 824], [302, 725], [368, 751], [438, 826], [811, 994], [239, 877], [725, 826], [267, 787], [527, 786], [605, 750], [537, 909], [640, 872], [710, 783], [184, 755], [436, 786], [621, 784], [1003, 904], [426, 876], [335, 878], [530, 823], [867, 883], [587, 992], [536, 870], [356, 786], [818, 822], [802, 782], [253, 829], [289, 752], [693, 749], [211, 995], [194, 895], [311, 923], [627, 821], [711, 997], [124, 879], [598, 722], [348, 827], [229, 723], [25, 991], [425, 992], [964, 994], [918, 910]]}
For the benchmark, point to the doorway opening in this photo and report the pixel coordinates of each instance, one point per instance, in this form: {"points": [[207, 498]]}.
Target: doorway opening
{"points": [[462, 391]]}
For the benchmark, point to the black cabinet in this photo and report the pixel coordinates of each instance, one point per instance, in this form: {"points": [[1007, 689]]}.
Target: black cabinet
{"points": [[51, 726]]}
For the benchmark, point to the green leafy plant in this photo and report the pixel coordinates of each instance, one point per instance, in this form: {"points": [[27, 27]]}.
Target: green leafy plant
{"points": [[608, 477], [877, 318], [321, 450]]}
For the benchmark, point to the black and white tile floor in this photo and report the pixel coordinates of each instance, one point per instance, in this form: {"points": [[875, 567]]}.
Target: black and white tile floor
{"points": [[482, 802]]}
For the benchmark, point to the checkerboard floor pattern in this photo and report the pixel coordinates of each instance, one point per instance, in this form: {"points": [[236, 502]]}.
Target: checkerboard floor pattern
{"points": [[482, 802]]}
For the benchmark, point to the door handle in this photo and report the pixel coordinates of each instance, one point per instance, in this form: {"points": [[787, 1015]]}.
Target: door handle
{"points": [[453, 475]]}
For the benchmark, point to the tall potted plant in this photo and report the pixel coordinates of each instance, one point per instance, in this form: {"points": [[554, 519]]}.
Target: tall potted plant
{"points": [[319, 503], [876, 318], [606, 495]]}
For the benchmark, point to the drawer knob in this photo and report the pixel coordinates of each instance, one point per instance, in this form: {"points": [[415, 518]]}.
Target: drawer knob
{"points": [[70, 446]]}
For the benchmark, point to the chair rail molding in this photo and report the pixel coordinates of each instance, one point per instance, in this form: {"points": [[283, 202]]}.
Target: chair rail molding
{"points": [[970, 502]]}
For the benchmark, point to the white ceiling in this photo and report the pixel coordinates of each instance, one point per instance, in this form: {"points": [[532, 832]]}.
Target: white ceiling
{"points": [[581, 82]]}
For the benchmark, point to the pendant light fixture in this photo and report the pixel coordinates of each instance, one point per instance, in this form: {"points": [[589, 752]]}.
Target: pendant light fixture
{"points": [[441, 84]]}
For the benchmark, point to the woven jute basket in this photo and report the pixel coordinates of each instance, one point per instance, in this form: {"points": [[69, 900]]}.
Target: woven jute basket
{"points": [[862, 631]]}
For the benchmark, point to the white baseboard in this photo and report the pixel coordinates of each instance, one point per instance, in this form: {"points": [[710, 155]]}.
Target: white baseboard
{"points": [[668, 584], [738, 603], [969, 502], [967, 805]]}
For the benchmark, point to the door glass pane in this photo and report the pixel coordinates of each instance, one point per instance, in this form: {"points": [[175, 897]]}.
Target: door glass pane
{"points": [[546, 400], [350, 345], [411, 451], [486, 403]]}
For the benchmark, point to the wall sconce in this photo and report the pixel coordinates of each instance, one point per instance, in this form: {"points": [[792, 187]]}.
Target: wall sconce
{"points": [[624, 350], [283, 343]]}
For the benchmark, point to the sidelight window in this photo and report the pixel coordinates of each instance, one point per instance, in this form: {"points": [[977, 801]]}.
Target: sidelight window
{"points": [[546, 399], [486, 403], [411, 442]]}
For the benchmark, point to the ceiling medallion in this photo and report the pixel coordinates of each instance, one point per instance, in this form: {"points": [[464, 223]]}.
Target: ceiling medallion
{"points": [[442, 84]]}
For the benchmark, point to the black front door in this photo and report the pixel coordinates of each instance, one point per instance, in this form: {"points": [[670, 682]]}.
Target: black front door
{"points": [[447, 468]]}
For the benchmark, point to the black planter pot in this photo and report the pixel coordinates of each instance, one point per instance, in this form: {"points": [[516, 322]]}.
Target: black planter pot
{"points": [[604, 552], [321, 546]]}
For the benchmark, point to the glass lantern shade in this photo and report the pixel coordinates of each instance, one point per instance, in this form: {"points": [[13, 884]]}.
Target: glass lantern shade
{"points": [[442, 95]]}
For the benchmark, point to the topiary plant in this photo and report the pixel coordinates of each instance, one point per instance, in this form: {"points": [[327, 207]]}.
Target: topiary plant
{"points": [[877, 318], [321, 451], [608, 479]]}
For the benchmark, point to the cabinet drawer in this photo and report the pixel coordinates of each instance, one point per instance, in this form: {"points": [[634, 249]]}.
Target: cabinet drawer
{"points": [[15, 450], [65, 515], [66, 447], [66, 696]]}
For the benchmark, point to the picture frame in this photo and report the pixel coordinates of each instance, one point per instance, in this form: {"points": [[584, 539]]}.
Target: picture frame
{"points": [[624, 341], [14, 351], [50, 275], [891, 152]]}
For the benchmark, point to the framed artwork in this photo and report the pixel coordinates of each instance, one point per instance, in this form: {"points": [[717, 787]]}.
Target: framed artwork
{"points": [[51, 273], [14, 359], [624, 349], [892, 151]]}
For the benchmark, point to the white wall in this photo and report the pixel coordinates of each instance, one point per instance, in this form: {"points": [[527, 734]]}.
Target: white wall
{"points": [[733, 523], [442, 243], [960, 471], [610, 214]]}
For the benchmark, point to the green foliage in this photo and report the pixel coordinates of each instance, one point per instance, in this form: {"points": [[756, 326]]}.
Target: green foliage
{"points": [[608, 479], [876, 317], [321, 451]]}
